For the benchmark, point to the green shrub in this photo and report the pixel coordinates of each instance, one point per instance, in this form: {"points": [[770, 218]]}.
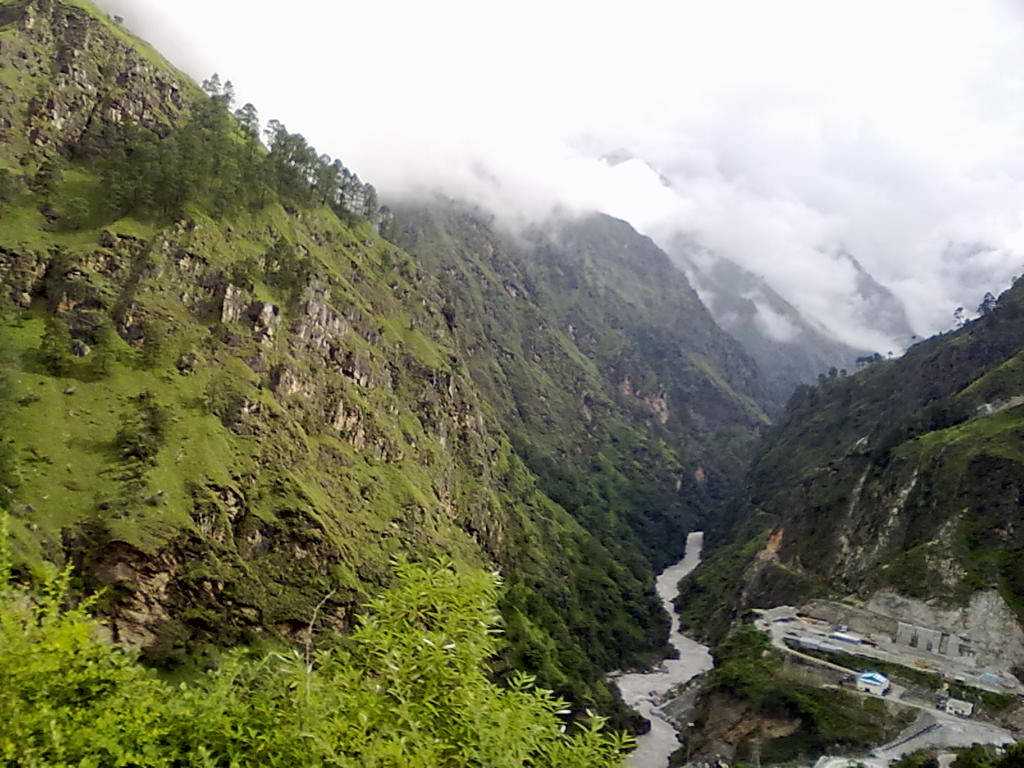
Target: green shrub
{"points": [[105, 352], [410, 687], [156, 341], [75, 213], [142, 433], [225, 397], [922, 758], [8, 185], [977, 756], [55, 347], [49, 176]]}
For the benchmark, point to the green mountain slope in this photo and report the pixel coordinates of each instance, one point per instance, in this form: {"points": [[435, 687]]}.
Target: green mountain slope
{"points": [[905, 477], [228, 400], [633, 408], [895, 492]]}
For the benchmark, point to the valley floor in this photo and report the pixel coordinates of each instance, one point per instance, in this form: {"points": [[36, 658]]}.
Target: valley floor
{"points": [[649, 692]]}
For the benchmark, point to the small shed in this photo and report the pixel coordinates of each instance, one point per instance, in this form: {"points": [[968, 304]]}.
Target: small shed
{"points": [[959, 707]]}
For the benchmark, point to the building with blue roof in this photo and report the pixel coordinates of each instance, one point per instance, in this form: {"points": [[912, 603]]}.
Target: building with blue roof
{"points": [[873, 682]]}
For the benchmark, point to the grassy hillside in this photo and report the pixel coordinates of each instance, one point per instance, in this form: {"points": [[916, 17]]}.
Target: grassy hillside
{"points": [[229, 401]]}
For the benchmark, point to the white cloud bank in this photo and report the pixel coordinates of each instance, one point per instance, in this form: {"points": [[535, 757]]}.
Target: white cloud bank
{"points": [[788, 129]]}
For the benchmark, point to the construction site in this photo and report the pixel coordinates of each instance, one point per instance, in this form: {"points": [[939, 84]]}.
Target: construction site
{"points": [[954, 683]]}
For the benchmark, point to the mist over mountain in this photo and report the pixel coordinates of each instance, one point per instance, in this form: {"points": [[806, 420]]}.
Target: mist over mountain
{"points": [[782, 140], [788, 348], [877, 306]]}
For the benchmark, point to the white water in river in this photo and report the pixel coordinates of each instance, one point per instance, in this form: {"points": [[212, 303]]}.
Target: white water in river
{"points": [[643, 691]]}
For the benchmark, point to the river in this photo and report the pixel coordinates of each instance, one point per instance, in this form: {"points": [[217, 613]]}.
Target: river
{"points": [[643, 691]]}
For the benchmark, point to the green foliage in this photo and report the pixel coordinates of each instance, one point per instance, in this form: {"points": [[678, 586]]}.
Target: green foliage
{"points": [[105, 353], [215, 161], [1013, 757], [922, 758], [225, 397], [143, 431], [977, 756], [55, 347], [48, 176], [9, 480], [409, 688], [8, 185], [156, 341], [75, 212]]}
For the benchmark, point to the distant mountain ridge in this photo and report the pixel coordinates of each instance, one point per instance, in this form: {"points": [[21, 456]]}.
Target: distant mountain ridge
{"points": [[879, 308], [789, 348]]}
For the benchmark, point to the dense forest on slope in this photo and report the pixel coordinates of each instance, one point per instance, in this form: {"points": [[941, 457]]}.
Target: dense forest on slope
{"points": [[634, 409]]}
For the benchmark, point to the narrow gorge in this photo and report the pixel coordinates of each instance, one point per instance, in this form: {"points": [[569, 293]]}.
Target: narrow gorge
{"points": [[648, 692]]}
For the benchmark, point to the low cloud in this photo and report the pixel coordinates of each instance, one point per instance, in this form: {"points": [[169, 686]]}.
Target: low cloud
{"points": [[774, 324], [777, 134]]}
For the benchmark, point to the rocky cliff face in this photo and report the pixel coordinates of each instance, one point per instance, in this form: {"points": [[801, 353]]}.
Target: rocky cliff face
{"points": [[620, 391], [67, 69]]}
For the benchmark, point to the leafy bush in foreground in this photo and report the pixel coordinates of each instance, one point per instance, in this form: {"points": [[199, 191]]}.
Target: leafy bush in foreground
{"points": [[408, 688]]}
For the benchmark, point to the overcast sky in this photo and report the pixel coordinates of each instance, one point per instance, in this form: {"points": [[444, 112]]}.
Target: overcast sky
{"points": [[788, 130]]}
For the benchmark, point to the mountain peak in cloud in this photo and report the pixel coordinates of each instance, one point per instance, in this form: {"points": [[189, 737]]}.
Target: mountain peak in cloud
{"points": [[788, 347], [878, 306]]}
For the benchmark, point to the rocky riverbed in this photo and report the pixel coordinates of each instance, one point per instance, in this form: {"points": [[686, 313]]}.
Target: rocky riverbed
{"points": [[646, 692]]}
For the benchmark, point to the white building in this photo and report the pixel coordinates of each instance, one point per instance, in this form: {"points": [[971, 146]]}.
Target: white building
{"points": [[959, 708], [847, 637], [873, 682]]}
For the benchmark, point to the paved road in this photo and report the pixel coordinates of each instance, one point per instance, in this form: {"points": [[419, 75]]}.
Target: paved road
{"points": [[925, 732]]}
